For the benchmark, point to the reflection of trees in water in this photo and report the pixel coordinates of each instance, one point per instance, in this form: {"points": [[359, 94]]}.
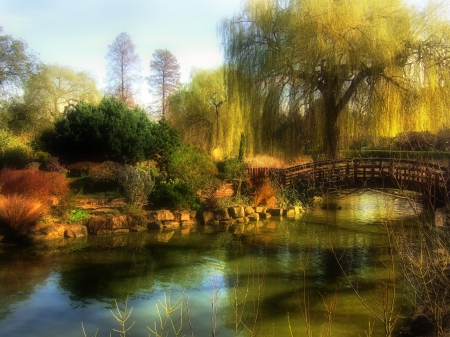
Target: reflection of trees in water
{"points": [[115, 266], [278, 253], [21, 271]]}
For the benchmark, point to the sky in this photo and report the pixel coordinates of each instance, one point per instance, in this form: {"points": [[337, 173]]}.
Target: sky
{"points": [[77, 33]]}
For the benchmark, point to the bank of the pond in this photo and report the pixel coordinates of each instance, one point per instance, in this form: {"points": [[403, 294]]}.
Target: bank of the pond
{"points": [[111, 216]]}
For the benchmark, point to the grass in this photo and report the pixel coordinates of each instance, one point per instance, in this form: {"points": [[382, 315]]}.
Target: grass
{"points": [[78, 215], [19, 212]]}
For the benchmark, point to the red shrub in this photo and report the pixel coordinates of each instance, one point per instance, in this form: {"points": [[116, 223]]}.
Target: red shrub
{"points": [[265, 194], [33, 183], [18, 212]]}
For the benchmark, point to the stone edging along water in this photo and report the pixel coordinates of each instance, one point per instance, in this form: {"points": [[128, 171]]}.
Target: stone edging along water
{"points": [[105, 218]]}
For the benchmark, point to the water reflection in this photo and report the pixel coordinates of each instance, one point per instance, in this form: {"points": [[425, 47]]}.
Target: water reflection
{"points": [[264, 269]]}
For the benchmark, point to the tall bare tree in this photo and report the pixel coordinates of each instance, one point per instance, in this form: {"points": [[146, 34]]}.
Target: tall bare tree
{"points": [[16, 64], [165, 78], [123, 69]]}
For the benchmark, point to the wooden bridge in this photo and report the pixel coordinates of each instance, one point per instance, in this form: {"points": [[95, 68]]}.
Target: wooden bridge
{"points": [[432, 181]]}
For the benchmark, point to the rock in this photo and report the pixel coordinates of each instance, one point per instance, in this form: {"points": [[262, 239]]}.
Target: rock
{"points": [[261, 209], [104, 225], [94, 225], [253, 217], [236, 212], [264, 215], [121, 231], [117, 203], [155, 225], [138, 229], [275, 211], [120, 222], [207, 217], [45, 232], [182, 216], [104, 231], [75, 231], [221, 214], [188, 223], [101, 211], [249, 210], [161, 215]]}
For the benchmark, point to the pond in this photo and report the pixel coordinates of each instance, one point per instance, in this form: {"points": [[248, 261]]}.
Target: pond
{"points": [[262, 278]]}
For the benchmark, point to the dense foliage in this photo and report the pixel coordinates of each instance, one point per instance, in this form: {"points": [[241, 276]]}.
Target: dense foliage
{"points": [[109, 131], [309, 69]]}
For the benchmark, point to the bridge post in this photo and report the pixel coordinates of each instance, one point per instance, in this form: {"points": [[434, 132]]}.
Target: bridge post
{"points": [[355, 170]]}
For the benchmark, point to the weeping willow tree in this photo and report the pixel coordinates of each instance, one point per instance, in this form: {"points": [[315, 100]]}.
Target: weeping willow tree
{"points": [[330, 62], [205, 116]]}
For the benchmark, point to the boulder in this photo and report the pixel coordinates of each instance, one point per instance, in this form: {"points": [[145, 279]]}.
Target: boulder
{"points": [[138, 229], [121, 231], [263, 216], [253, 217], [261, 209], [275, 211], [236, 212], [221, 214], [182, 216], [75, 231], [45, 232], [249, 210], [105, 225], [206, 217], [155, 225], [188, 223], [161, 215]]}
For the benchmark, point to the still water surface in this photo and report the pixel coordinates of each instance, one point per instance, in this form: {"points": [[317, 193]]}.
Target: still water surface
{"points": [[273, 269]]}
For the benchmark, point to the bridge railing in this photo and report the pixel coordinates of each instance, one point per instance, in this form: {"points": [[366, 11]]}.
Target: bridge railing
{"points": [[402, 170]]}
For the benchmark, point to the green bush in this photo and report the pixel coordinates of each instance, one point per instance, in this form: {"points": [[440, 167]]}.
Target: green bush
{"points": [[190, 165], [14, 151], [174, 195], [109, 131]]}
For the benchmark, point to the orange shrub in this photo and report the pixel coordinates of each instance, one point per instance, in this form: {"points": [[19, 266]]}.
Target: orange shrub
{"points": [[265, 194], [18, 212], [33, 183]]}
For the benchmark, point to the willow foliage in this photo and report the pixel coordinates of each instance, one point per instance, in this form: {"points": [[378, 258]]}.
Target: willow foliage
{"points": [[331, 64]]}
